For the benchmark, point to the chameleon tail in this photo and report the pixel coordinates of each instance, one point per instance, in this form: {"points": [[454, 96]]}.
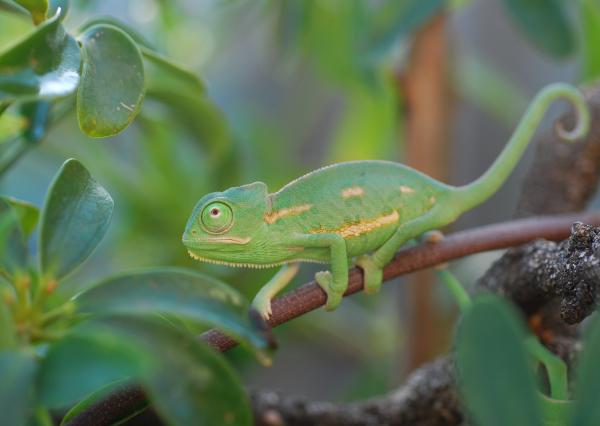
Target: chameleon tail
{"points": [[473, 194]]}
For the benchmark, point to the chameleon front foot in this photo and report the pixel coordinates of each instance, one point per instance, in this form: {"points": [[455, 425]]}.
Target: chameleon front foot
{"points": [[262, 304], [373, 274], [334, 297]]}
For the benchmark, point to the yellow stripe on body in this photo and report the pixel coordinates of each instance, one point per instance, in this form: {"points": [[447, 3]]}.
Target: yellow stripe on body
{"points": [[274, 216], [362, 227], [354, 191]]}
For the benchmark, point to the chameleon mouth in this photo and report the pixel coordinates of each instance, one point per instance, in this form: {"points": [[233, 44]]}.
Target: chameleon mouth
{"points": [[235, 264], [218, 240], [249, 265]]}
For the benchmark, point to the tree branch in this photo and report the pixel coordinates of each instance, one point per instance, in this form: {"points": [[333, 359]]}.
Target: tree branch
{"points": [[309, 296], [428, 398]]}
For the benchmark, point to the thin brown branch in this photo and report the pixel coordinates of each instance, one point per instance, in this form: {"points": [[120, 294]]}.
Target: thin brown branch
{"points": [[309, 296]]}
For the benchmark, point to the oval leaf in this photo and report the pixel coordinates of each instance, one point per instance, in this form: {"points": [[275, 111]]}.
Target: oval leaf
{"points": [[109, 20], [590, 40], [85, 361], [27, 213], [112, 83], [13, 249], [167, 74], [17, 370], [495, 378], [179, 292], [586, 410], [545, 23], [90, 402], [75, 217], [190, 383], [43, 65], [396, 19]]}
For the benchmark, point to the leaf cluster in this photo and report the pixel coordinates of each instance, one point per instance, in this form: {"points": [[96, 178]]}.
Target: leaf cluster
{"points": [[498, 380], [131, 327]]}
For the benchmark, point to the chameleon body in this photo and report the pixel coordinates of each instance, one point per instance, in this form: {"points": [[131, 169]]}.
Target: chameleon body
{"points": [[362, 210]]}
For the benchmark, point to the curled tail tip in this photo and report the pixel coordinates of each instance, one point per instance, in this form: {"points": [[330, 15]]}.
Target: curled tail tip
{"points": [[582, 113]]}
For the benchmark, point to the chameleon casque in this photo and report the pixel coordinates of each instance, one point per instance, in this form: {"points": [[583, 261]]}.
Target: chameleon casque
{"points": [[361, 210]]}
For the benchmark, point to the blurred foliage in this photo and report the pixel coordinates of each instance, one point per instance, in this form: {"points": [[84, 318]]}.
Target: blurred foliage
{"points": [[496, 377], [55, 350], [287, 86]]}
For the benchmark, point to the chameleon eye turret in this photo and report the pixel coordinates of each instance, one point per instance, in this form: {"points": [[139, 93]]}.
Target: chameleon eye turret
{"points": [[364, 210], [216, 218]]}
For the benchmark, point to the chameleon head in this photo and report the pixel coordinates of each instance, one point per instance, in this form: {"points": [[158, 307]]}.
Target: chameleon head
{"points": [[224, 226]]}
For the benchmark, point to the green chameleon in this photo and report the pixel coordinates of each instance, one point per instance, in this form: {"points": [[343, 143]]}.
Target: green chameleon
{"points": [[362, 210]]}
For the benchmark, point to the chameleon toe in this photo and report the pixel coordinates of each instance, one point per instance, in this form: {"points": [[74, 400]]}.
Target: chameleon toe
{"points": [[373, 275], [325, 281]]}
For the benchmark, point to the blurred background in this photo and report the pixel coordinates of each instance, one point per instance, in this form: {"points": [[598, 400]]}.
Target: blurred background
{"points": [[294, 85]]}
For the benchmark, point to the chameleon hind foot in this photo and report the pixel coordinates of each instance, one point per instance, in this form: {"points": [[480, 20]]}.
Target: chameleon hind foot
{"points": [[434, 237], [334, 297], [373, 274]]}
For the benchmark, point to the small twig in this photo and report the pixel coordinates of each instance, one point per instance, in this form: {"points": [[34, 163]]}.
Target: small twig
{"points": [[309, 296]]}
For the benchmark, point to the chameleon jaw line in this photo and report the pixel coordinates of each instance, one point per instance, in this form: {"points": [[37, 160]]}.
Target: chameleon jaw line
{"points": [[235, 264], [221, 240]]}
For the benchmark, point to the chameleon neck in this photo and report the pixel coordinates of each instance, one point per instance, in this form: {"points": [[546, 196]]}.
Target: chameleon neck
{"points": [[468, 196]]}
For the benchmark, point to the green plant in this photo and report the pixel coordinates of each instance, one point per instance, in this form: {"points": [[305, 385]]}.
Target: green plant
{"points": [[497, 379], [105, 66], [55, 351]]}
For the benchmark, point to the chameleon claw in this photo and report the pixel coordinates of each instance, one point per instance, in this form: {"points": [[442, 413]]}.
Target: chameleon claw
{"points": [[263, 306], [434, 237], [325, 281], [373, 274]]}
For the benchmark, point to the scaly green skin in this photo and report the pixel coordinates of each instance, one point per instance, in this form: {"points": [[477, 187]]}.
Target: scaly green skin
{"points": [[363, 209]]}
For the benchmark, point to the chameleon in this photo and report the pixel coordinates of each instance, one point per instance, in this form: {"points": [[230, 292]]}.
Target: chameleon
{"points": [[361, 211]]}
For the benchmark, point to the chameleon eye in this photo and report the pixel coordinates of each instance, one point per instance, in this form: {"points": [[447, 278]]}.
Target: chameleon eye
{"points": [[216, 217]]}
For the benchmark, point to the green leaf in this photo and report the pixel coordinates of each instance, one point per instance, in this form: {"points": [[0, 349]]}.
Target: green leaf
{"points": [[109, 20], [190, 383], [75, 217], [43, 65], [17, 370], [97, 397], [11, 126], [8, 337], [162, 71], [86, 360], [37, 8], [27, 213], [394, 19], [590, 40], [199, 116], [13, 250], [371, 113], [184, 95], [179, 292], [495, 378], [112, 83], [37, 114], [10, 6], [545, 23], [187, 381], [586, 410]]}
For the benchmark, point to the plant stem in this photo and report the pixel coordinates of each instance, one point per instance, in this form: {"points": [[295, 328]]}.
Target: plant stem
{"points": [[56, 313], [21, 146], [456, 289], [555, 367]]}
